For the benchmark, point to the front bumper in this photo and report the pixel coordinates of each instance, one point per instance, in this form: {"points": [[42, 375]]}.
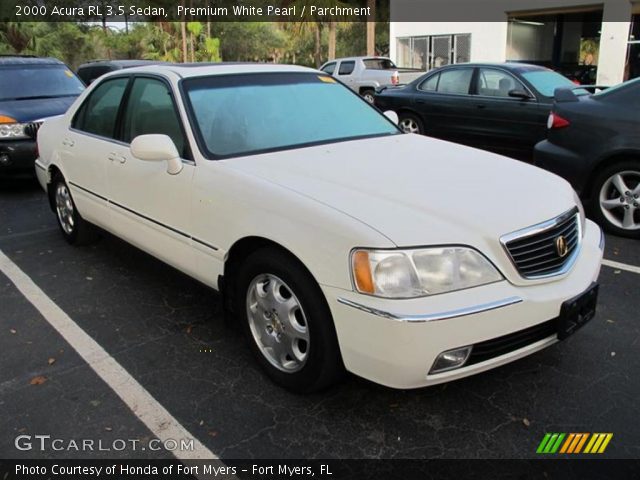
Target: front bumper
{"points": [[17, 158], [399, 349]]}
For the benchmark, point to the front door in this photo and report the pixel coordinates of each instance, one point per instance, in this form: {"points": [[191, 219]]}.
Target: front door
{"points": [[503, 123], [150, 207]]}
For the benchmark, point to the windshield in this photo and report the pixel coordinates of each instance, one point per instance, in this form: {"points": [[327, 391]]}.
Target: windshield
{"points": [[21, 82], [240, 114], [546, 82], [378, 64]]}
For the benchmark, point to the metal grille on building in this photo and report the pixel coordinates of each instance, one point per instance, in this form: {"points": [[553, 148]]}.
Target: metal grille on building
{"points": [[427, 52]]}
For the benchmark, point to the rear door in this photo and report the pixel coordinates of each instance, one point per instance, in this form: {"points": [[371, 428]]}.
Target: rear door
{"points": [[346, 73], [504, 123], [87, 145]]}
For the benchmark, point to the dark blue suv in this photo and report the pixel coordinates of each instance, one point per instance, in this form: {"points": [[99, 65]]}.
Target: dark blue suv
{"points": [[31, 90]]}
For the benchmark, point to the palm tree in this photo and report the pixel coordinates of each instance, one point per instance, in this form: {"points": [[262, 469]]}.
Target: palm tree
{"points": [[18, 35], [371, 28]]}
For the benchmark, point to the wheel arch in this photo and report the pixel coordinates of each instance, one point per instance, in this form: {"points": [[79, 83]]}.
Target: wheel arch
{"points": [[239, 251], [53, 170]]}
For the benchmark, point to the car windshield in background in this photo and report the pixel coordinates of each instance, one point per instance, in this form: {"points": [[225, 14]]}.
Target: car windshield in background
{"points": [[241, 114], [22, 82], [378, 64], [546, 82]]}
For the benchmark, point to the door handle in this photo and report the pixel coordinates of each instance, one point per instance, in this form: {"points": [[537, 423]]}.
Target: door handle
{"points": [[481, 106], [68, 142], [112, 157]]}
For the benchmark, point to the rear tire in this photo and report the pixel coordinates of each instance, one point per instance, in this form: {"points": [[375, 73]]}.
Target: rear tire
{"points": [[615, 199], [287, 321], [75, 230], [410, 123]]}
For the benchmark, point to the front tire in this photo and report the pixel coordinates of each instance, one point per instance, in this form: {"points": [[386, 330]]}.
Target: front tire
{"points": [[287, 321], [369, 96], [75, 230], [615, 202], [410, 123]]}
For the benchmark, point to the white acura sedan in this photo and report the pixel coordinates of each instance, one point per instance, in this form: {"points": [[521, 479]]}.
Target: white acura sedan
{"points": [[337, 241]]}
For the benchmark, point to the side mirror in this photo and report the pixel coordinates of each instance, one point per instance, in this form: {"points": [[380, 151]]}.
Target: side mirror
{"points": [[519, 93], [393, 116], [157, 148]]}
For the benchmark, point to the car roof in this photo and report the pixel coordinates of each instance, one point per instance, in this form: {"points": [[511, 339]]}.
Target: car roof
{"points": [[189, 70], [119, 63], [27, 60], [512, 66]]}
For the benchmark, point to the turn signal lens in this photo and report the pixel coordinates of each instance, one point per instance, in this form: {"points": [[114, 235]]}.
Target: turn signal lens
{"points": [[362, 272], [4, 119]]}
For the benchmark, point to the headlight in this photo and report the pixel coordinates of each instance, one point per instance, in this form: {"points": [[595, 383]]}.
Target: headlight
{"points": [[420, 272], [10, 129]]}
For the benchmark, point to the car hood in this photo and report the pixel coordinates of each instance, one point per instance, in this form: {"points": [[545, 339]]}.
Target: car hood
{"points": [[36, 109], [417, 190]]}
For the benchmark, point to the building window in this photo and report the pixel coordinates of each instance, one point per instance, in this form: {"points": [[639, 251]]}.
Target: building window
{"points": [[427, 52]]}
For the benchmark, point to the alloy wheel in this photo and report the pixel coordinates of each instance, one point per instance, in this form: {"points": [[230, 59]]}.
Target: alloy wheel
{"points": [[620, 199], [64, 208], [278, 323], [409, 125]]}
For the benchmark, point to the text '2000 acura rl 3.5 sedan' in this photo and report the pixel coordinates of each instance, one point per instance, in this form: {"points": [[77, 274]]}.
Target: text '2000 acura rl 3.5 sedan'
{"points": [[336, 240]]}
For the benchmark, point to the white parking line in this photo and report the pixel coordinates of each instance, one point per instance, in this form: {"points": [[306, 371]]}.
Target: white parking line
{"points": [[157, 419], [620, 266]]}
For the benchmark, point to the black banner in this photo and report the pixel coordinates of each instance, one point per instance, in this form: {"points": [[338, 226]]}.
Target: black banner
{"points": [[561, 468]]}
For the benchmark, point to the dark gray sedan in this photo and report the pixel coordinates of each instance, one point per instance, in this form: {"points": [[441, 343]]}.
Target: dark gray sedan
{"points": [[502, 107], [594, 142]]}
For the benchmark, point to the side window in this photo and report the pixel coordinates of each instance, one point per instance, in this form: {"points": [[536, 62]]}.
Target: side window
{"points": [[99, 112], [346, 68], [455, 81], [329, 68], [430, 84], [497, 83], [151, 110]]}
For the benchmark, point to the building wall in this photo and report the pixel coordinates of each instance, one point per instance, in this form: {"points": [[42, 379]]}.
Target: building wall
{"points": [[489, 40]]}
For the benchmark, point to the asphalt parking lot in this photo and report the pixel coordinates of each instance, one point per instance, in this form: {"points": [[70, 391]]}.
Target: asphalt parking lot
{"points": [[168, 333]]}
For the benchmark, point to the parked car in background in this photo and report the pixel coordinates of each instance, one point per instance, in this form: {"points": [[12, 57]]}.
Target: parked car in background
{"points": [[365, 74], [594, 142], [90, 71], [333, 237], [31, 91], [500, 107]]}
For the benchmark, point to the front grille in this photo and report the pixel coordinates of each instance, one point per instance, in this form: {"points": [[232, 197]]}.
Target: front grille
{"points": [[512, 342], [538, 251]]}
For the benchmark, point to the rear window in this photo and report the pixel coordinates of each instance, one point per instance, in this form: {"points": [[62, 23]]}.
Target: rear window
{"points": [[346, 68], [379, 64], [546, 82], [23, 82]]}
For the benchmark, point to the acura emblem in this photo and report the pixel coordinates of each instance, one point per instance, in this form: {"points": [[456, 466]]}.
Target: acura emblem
{"points": [[561, 246]]}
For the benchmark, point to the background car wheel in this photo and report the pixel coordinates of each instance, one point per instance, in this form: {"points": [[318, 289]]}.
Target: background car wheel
{"points": [[615, 203], [410, 123], [368, 95], [74, 228], [287, 321]]}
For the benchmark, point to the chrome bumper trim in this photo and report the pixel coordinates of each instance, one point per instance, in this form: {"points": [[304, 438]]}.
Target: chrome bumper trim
{"points": [[433, 317]]}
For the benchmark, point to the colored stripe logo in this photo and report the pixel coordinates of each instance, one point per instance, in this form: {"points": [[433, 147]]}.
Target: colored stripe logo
{"points": [[564, 443]]}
